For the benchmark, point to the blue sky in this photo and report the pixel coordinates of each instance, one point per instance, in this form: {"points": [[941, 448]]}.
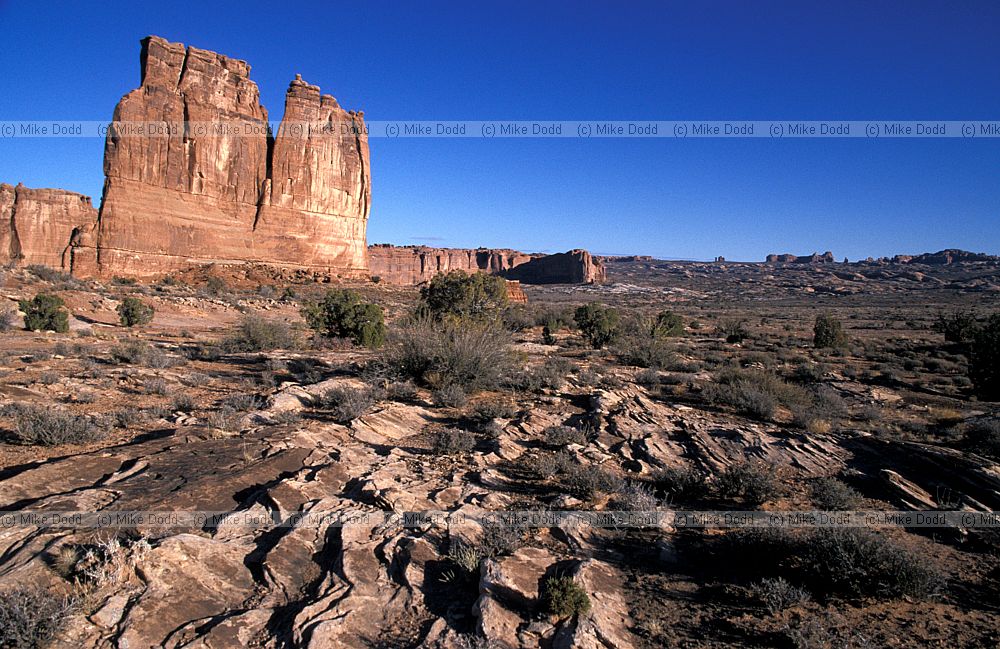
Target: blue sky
{"points": [[581, 60]]}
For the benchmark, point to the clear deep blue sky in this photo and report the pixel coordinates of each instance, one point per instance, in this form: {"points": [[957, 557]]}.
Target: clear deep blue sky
{"points": [[904, 60]]}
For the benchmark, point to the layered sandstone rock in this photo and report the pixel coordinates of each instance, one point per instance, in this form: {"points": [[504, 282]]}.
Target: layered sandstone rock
{"points": [[205, 184], [410, 265], [573, 267], [40, 226], [815, 258]]}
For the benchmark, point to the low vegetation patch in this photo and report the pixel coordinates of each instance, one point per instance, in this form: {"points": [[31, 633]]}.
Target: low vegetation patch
{"points": [[32, 617], [347, 404], [599, 324], [342, 313], [256, 334], [563, 597], [44, 426], [45, 312], [133, 312]]}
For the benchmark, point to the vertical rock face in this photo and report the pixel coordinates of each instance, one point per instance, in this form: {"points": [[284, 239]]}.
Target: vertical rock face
{"points": [[573, 267], [41, 226], [203, 183], [410, 265]]}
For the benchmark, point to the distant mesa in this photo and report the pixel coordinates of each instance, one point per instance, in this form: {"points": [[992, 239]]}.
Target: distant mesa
{"points": [[945, 258], [815, 258], [299, 200]]}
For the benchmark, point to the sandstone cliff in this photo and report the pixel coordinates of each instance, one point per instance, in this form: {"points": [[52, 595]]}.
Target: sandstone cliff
{"points": [[815, 258], [40, 226], [409, 265], [186, 196]]}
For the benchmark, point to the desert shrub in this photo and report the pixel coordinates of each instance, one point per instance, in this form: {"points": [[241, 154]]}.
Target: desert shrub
{"points": [[563, 597], [500, 538], [984, 360], [828, 332], [635, 497], [810, 372], [734, 330], [342, 313], [32, 617], [983, 437], [668, 324], [45, 426], [830, 494], [452, 441], [550, 374], [598, 324], [957, 327], [127, 417], [647, 377], [754, 392], [404, 391], [48, 378], [460, 295], [754, 552], [856, 562], [450, 396], [137, 352], [134, 312], [183, 402], [155, 385], [473, 355], [559, 436], [256, 334], [347, 404], [48, 274], [778, 594], [588, 481], [45, 312], [7, 316], [224, 418], [753, 483], [215, 285], [494, 408], [685, 484], [242, 402], [517, 318], [642, 342]]}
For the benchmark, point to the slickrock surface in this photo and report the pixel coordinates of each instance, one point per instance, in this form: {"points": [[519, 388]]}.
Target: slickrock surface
{"points": [[40, 226], [174, 200]]}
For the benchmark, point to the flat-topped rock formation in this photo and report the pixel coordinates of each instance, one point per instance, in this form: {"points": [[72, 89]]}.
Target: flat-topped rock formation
{"points": [[410, 265], [188, 197], [40, 226], [815, 258]]}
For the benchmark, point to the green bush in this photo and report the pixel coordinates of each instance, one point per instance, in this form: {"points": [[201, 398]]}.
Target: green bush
{"points": [[668, 324], [957, 327], [256, 334], [474, 355], [984, 360], [599, 324], [828, 332], [462, 295], [734, 330], [45, 312], [753, 483], [563, 597], [343, 314], [134, 312]]}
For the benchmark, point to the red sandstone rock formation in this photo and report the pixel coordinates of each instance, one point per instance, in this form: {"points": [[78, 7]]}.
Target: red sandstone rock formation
{"points": [[187, 196], [410, 265], [815, 258], [573, 267], [39, 226]]}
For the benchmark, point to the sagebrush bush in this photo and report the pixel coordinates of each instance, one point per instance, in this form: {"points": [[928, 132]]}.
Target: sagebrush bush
{"points": [[563, 597], [753, 483], [342, 313], [31, 617], [347, 404], [734, 330], [599, 324], [983, 437], [474, 355], [138, 352], [242, 402], [684, 485], [494, 408], [256, 334], [450, 396], [133, 312], [463, 296], [856, 562], [830, 494], [635, 497], [559, 436], [778, 594], [7, 316], [183, 402], [452, 441], [587, 482], [828, 332], [45, 312], [33, 424], [755, 392]]}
